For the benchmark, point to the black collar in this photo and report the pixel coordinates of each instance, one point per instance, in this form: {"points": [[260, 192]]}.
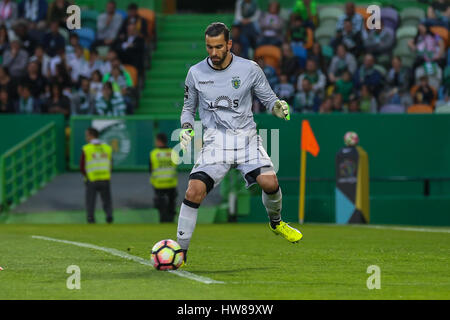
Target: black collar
{"points": [[215, 69]]}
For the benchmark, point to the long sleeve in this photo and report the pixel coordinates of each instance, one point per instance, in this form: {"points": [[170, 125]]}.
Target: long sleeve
{"points": [[190, 100], [262, 89]]}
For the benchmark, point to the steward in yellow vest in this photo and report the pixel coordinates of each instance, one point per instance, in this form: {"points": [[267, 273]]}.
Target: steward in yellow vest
{"points": [[96, 166], [163, 178]]}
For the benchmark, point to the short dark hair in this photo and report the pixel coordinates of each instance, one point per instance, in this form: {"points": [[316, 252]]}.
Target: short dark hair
{"points": [[216, 29], [93, 132], [162, 137], [132, 6]]}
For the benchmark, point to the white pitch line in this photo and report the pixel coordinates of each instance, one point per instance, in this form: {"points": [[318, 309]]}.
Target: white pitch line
{"points": [[124, 255], [405, 228]]}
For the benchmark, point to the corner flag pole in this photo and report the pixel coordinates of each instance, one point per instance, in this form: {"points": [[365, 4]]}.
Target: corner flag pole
{"points": [[308, 143], [301, 204]]}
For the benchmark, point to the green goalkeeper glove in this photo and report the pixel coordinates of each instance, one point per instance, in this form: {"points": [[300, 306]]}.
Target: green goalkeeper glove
{"points": [[186, 135], [281, 110]]}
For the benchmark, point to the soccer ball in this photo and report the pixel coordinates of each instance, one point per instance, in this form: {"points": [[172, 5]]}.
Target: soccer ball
{"points": [[351, 139], [167, 255]]}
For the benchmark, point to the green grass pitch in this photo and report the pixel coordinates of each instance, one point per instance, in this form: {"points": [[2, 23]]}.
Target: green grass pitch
{"points": [[329, 263]]}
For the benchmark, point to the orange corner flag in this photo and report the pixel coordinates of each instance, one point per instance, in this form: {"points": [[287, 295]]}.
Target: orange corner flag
{"points": [[309, 142]]}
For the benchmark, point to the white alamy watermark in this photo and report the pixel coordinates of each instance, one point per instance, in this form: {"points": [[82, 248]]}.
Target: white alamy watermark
{"points": [[74, 19], [74, 280], [374, 20], [214, 146], [374, 280]]}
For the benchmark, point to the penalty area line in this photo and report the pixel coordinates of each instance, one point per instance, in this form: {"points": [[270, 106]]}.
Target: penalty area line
{"points": [[127, 256]]}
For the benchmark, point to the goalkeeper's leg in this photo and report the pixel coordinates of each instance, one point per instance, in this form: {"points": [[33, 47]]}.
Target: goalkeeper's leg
{"points": [[199, 186], [272, 200]]}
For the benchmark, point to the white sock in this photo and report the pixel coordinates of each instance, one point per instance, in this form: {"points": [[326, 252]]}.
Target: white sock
{"points": [[272, 202], [186, 223]]}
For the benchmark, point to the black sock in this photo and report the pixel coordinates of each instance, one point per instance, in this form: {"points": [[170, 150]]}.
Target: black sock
{"points": [[185, 255], [274, 223]]}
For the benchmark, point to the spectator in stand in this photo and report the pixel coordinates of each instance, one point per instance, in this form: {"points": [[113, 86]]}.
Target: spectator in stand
{"points": [[77, 65], [133, 17], [121, 82], [341, 62], [8, 12], [344, 86], [433, 71], [367, 101], [290, 64], [82, 101], [21, 31], [94, 63], [307, 9], [423, 93], [238, 38], [58, 102], [301, 38], [349, 37], [43, 59], [53, 41], [27, 104], [337, 105], [269, 71], [271, 25], [107, 64], [438, 14], [316, 78], [15, 59], [398, 81], [285, 90], [57, 11], [6, 104], [315, 53], [35, 80], [33, 10], [368, 75], [74, 41], [131, 49], [444, 91], [350, 14], [378, 41], [62, 78], [110, 103], [8, 83], [247, 13], [4, 39], [326, 106], [353, 106], [427, 46], [108, 25], [96, 83], [307, 100]]}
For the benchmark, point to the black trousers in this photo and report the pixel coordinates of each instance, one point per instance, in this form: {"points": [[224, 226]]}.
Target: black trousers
{"points": [[104, 188], [165, 202]]}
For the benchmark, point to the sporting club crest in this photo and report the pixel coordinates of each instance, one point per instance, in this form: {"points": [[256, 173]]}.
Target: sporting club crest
{"points": [[236, 82]]}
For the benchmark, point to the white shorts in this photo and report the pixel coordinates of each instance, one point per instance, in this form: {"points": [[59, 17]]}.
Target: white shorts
{"points": [[216, 160]]}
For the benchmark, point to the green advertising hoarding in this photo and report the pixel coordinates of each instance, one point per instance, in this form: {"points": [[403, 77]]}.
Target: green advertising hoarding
{"points": [[131, 138]]}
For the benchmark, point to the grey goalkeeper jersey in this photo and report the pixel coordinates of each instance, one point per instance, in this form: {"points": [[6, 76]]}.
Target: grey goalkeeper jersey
{"points": [[224, 97]]}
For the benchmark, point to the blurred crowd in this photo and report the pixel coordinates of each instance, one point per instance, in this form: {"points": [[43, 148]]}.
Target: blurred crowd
{"points": [[46, 68], [344, 75]]}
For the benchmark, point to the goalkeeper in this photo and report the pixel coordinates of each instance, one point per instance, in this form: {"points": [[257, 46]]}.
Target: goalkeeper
{"points": [[221, 88]]}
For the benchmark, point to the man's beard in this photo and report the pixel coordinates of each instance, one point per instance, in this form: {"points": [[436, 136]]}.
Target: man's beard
{"points": [[220, 61]]}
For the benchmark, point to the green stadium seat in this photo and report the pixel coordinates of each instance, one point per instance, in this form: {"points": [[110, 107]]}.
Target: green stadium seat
{"points": [[329, 13], [406, 32], [405, 55], [411, 16], [89, 19], [324, 35]]}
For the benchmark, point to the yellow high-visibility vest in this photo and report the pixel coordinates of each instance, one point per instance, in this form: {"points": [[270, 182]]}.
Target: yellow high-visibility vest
{"points": [[164, 173], [98, 161]]}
